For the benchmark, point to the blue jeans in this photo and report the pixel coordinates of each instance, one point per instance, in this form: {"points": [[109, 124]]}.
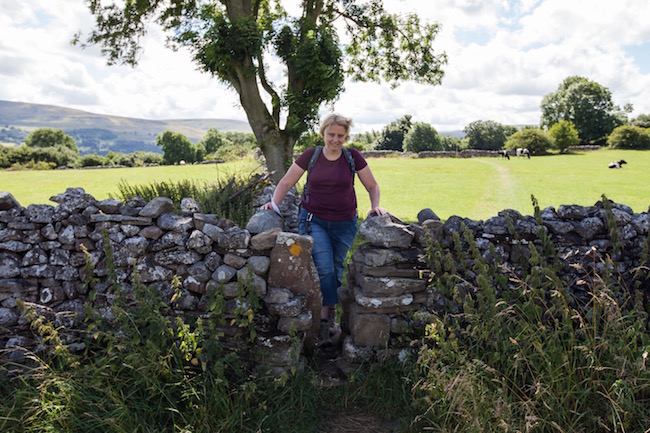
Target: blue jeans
{"points": [[332, 241]]}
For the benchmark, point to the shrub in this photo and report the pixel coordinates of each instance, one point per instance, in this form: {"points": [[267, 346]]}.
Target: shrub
{"points": [[534, 139], [564, 135], [629, 137], [230, 197], [422, 137]]}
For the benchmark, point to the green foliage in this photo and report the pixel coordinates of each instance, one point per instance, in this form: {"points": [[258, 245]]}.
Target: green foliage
{"points": [[49, 137], [229, 197], [212, 140], [392, 136], [629, 137], [422, 137], [450, 143], [534, 139], [91, 160], [39, 158], [487, 134], [231, 39], [642, 120], [586, 104], [521, 354], [564, 135], [177, 147]]}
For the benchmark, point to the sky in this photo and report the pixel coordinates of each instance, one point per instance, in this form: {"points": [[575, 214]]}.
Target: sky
{"points": [[504, 56]]}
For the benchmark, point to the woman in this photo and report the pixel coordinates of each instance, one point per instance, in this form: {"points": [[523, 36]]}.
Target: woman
{"points": [[329, 212]]}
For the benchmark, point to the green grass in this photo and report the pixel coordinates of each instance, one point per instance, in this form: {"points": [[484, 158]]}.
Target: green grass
{"points": [[36, 187], [476, 188], [479, 188]]}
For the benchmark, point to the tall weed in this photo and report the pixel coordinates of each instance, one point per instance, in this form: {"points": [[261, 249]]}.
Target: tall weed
{"points": [[527, 355]]}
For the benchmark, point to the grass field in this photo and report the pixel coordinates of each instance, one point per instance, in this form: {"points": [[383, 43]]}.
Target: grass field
{"points": [[476, 188]]}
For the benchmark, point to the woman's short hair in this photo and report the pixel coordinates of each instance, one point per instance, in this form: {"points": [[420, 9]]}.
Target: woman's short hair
{"points": [[336, 119]]}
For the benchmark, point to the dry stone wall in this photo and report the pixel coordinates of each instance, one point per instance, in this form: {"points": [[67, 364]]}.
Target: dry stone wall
{"points": [[62, 258], [390, 293], [49, 255]]}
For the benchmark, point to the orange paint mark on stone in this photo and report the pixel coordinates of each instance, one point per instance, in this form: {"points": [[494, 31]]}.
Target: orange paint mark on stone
{"points": [[295, 250]]}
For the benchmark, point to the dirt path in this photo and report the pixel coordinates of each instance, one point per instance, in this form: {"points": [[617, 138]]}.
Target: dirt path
{"points": [[499, 193], [333, 371]]}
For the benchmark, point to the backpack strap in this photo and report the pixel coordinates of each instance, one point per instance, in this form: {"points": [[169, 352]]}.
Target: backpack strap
{"points": [[312, 163], [310, 166]]}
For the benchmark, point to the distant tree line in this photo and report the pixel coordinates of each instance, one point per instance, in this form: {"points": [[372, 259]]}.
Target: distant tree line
{"points": [[49, 148], [579, 112]]}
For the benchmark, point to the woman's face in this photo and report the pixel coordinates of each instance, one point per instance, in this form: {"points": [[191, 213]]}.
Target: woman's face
{"points": [[335, 136]]}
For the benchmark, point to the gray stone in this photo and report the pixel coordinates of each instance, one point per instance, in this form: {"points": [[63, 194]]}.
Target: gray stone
{"points": [[234, 238], [177, 257], [9, 265], [74, 200], [156, 207], [572, 212], [200, 272], [41, 213], [173, 222], [224, 273], [377, 257], [8, 317], [263, 221], [301, 322], [388, 287], [15, 246], [291, 308], [200, 242], [234, 260], [189, 207], [381, 231], [277, 295], [212, 231], [246, 276], [589, 227], [259, 264], [110, 206], [370, 330], [7, 201], [427, 214], [265, 240]]}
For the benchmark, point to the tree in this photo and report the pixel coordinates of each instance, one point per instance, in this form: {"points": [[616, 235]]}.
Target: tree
{"points": [[564, 135], [587, 105], [176, 148], [533, 139], [629, 137], [422, 137], [487, 134], [212, 140], [642, 120], [392, 136], [232, 39], [50, 137]]}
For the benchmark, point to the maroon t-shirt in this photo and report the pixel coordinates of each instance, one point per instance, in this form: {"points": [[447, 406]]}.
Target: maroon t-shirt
{"points": [[331, 190]]}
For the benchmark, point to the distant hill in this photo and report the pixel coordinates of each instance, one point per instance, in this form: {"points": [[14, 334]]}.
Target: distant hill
{"points": [[98, 133]]}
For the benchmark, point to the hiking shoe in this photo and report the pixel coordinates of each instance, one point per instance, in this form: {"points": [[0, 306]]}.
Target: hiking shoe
{"points": [[324, 339]]}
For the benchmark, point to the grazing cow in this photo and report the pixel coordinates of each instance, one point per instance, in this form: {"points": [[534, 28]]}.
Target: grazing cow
{"points": [[617, 164], [522, 151], [504, 154]]}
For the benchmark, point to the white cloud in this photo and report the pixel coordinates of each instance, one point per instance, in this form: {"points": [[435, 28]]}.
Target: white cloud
{"points": [[504, 56]]}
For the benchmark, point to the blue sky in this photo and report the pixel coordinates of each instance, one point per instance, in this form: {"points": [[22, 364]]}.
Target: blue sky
{"points": [[504, 56]]}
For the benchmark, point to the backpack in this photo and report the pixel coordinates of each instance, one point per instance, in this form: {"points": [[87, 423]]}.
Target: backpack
{"points": [[312, 162]]}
